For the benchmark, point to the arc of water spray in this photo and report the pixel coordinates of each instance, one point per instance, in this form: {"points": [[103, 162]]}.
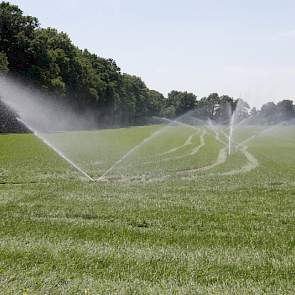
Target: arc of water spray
{"points": [[132, 150], [175, 121], [44, 140], [129, 153], [231, 130]]}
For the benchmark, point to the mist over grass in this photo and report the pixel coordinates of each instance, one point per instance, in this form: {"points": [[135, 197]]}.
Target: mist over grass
{"points": [[43, 112], [47, 117]]}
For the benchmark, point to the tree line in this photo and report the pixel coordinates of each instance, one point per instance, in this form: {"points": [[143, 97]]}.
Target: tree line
{"points": [[49, 60]]}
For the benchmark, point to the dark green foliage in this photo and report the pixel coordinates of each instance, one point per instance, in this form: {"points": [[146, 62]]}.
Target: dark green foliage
{"points": [[16, 34], [217, 108], [272, 113], [3, 63], [9, 122], [48, 59], [180, 102], [285, 109], [209, 104]]}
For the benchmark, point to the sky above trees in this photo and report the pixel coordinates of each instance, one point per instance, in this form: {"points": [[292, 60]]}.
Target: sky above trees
{"points": [[242, 48]]}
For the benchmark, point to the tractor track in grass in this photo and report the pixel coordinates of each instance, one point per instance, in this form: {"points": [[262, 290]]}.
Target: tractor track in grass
{"points": [[222, 157], [186, 143], [194, 151], [249, 166], [252, 162], [201, 145]]}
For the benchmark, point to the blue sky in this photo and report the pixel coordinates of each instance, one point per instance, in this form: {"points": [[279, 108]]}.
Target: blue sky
{"points": [[238, 47]]}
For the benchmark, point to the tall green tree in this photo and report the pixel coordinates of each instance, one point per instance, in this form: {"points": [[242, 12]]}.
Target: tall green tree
{"points": [[16, 33], [209, 105], [285, 110], [181, 102], [156, 102], [3, 63]]}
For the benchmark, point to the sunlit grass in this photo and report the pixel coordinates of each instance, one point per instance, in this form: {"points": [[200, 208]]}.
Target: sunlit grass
{"points": [[205, 233]]}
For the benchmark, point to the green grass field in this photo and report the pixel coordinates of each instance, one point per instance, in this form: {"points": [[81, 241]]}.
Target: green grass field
{"points": [[177, 216]]}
